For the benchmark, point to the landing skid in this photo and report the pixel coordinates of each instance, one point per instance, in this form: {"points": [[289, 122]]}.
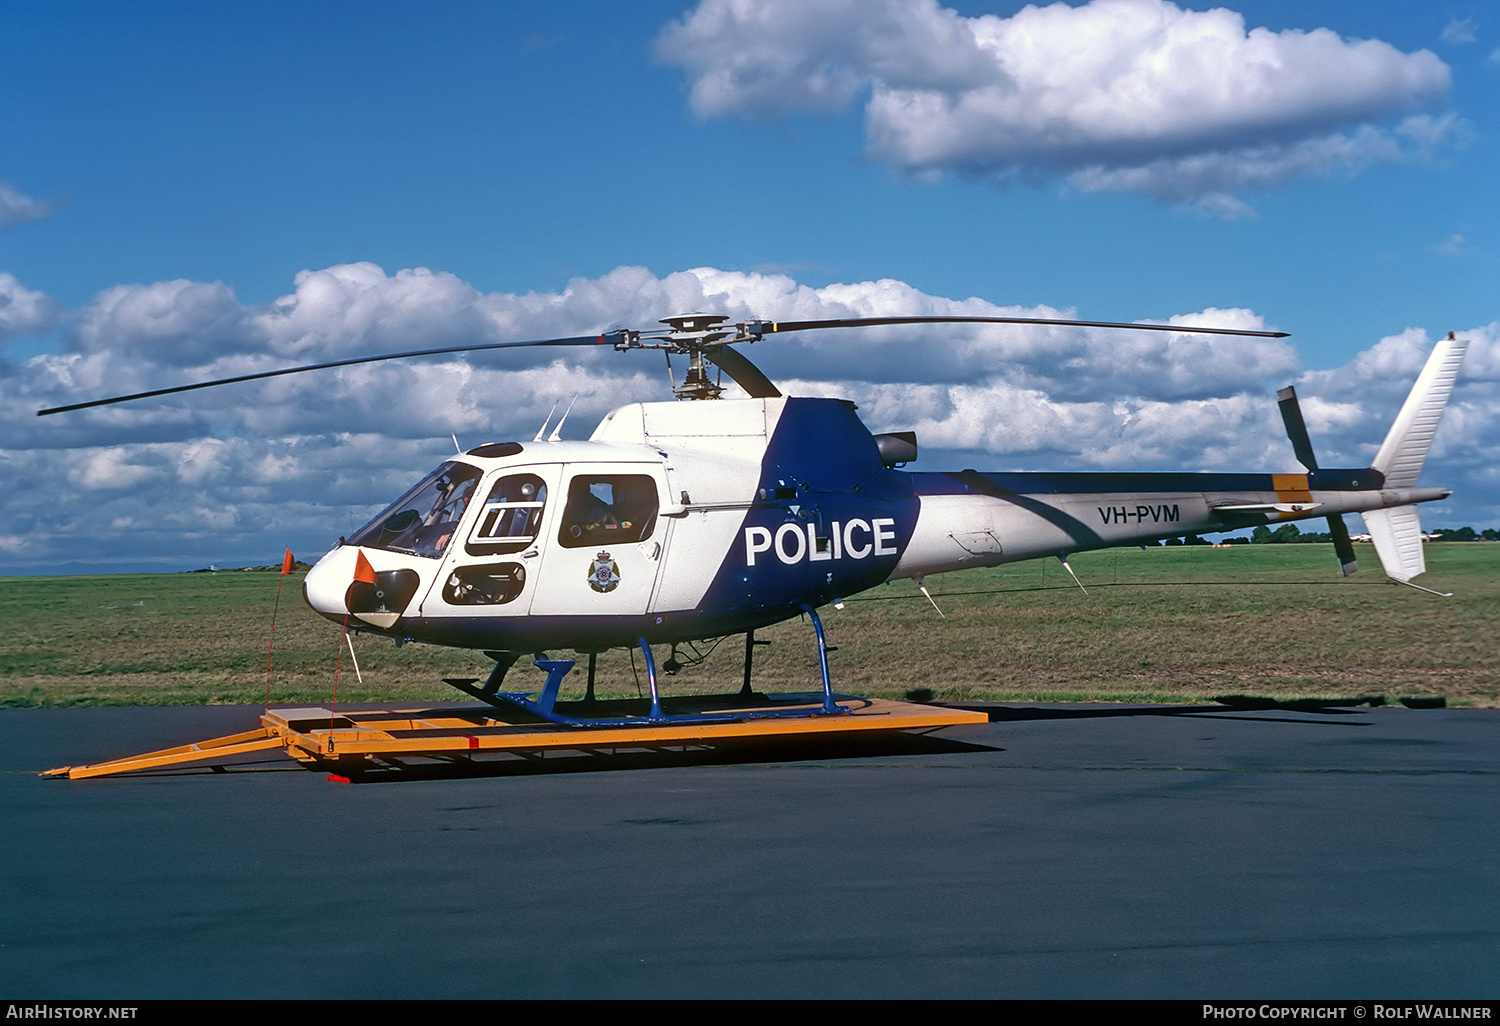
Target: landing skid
{"points": [[545, 705]]}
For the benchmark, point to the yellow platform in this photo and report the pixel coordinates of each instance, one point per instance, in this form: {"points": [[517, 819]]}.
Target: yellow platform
{"points": [[346, 740]]}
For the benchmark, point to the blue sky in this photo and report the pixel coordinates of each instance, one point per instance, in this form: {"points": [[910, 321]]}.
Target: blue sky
{"points": [[181, 185]]}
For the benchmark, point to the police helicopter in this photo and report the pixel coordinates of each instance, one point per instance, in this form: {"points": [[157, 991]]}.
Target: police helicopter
{"points": [[708, 517]]}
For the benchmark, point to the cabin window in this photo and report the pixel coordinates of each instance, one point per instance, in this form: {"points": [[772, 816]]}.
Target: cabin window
{"points": [[608, 509], [423, 520], [487, 584], [511, 517]]}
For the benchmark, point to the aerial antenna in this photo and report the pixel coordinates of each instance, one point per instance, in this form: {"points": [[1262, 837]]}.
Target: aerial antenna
{"points": [[456, 447], [1068, 567], [349, 640], [921, 583], [556, 435], [543, 429]]}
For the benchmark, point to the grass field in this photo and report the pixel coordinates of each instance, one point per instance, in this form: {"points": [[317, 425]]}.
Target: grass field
{"points": [[1161, 624]]}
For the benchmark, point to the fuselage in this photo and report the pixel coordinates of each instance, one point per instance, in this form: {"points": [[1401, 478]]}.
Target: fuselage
{"points": [[679, 521]]}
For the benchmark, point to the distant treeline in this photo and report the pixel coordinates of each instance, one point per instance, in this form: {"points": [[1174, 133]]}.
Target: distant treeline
{"points": [[1290, 533]]}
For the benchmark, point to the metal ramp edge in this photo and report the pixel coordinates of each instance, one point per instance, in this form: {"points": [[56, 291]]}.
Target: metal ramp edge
{"points": [[216, 748], [322, 736]]}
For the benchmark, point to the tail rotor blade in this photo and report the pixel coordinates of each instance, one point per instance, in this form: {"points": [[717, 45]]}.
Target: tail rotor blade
{"points": [[1342, 545], [1296, 428]]}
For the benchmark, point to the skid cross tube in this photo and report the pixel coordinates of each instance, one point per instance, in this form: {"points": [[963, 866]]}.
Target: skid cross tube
{"points": [[544, 705]]}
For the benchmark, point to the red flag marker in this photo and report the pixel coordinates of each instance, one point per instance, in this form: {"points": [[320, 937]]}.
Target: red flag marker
{"points": [[286, 568], [363, 571]]}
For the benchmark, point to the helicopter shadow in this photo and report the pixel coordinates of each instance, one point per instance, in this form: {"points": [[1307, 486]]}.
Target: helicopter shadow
{"points": [[1230, 707]]}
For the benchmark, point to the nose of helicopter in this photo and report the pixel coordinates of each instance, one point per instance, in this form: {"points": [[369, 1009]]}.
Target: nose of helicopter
{"points": [[326, 585], [344, 583]]}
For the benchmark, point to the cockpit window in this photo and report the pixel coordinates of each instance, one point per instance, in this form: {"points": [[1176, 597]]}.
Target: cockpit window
{"points": [[423, 521], [511, 516], [613, 508]]}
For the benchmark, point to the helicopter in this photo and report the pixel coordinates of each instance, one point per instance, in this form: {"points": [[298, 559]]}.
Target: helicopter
{"points": [[707, 517]]}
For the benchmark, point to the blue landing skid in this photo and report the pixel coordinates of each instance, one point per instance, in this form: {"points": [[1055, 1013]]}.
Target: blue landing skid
{"points": [[545, 704]]}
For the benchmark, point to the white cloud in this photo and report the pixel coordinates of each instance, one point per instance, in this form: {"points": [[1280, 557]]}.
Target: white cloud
{"points": [[1186, 106], [1460, 30], [176, 322], [237, 473], [16, 206], [1454, 246], [23, 311], [108, 470]]}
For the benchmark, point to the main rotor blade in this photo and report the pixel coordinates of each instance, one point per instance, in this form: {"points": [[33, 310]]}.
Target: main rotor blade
{"points": [[576, 340], [769, 327], [745, 374]]}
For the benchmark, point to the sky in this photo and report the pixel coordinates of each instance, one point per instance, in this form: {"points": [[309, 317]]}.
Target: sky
{"points": [[192, 191]]}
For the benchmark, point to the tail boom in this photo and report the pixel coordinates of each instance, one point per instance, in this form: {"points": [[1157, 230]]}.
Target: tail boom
{"points": [[970, 520]]}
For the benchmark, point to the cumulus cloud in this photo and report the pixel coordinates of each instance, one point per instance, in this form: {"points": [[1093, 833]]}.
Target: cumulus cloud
{"points": [[1185, 106], [179, 323], [23, 311], [234, 474]]}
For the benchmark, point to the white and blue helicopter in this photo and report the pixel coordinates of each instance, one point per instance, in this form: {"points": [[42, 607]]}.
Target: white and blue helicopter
{"points": [[684, 521]]}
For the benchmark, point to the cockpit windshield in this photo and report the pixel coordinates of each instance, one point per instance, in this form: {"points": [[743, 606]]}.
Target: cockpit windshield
{"points": [[423, 521]]}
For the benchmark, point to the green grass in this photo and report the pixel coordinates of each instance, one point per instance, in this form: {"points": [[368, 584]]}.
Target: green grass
{"points": [[1162, 624]]}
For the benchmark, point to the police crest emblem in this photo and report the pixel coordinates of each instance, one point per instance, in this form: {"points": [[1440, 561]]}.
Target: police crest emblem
{"points": [[604, 573]]}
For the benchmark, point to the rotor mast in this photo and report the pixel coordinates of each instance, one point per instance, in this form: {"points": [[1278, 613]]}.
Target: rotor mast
{"points": [[692, 334]]}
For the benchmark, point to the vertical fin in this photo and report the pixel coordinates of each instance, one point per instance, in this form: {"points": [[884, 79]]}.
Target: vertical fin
{"points": [[1405, 448], [1397, 535], [1397, 531]]}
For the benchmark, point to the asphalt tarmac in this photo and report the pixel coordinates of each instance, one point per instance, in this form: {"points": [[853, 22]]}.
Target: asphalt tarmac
{"points": [[1058, 851]]}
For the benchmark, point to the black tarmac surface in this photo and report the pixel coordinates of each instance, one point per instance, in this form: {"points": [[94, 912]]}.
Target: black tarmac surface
{"points": [[1059, 851]]}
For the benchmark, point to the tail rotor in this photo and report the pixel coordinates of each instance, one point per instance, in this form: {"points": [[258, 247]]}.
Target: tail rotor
{"points": [[1296, 430]]}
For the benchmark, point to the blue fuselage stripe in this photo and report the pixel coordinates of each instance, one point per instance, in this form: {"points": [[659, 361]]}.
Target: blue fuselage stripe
{"points": [[1049, 483]]}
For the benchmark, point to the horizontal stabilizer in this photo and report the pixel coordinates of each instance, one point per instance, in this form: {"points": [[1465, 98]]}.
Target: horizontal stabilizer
{"points": [[1405, 448]]}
